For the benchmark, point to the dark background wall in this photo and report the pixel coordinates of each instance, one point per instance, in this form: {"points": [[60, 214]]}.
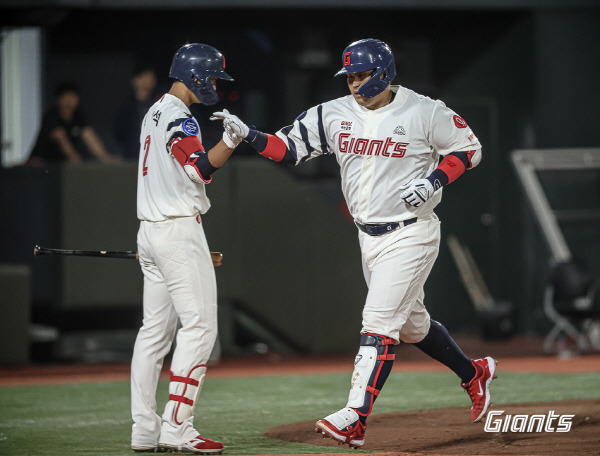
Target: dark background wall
{"points": [[523, 74]]}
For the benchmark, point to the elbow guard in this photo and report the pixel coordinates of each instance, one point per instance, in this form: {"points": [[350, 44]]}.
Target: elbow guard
{"points": [[190, 154], [198, 168], [183, 148]]}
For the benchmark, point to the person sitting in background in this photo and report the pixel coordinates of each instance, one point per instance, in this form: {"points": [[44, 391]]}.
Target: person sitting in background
{"points": [[134, 107], [65, 135]]}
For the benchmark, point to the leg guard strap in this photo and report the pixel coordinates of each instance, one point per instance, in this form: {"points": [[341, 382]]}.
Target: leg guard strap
{"points": [[388, 357], [176, 398], [187, 380], [373, 391]]}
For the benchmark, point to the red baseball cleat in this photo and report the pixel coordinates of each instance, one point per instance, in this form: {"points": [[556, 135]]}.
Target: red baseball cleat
{"points": [[198, 445], [479, 387], [344, 427]]}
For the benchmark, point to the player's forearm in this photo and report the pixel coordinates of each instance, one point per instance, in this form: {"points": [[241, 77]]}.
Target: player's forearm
{"points": [[269, 146], [219, 154], [450, 168]]}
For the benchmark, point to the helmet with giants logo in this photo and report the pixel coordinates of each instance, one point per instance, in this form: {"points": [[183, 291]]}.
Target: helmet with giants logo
{"points": [[194, 64], [365, 55]]}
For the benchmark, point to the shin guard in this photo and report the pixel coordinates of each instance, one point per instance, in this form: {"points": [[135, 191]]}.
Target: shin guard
{"points": [[372, 366], [183, 392]]}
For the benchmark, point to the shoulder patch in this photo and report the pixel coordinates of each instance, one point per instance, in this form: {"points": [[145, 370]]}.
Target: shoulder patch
{"points": [[190, 127], [459, 122]]}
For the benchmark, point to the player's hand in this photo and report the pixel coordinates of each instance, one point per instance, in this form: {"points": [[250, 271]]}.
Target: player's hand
{"points": [[416, 192], [235, 129]]}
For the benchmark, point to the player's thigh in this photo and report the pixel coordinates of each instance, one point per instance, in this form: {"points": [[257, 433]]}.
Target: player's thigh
{"points": [[398, 276], [158, 309], [189, 273]]}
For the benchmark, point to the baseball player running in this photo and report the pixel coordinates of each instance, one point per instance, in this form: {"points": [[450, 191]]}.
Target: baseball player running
{"points": [[396, 150], [179, 278]]}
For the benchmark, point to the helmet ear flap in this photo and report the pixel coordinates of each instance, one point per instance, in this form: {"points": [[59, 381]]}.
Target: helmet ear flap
{"points": [[208, 95]]}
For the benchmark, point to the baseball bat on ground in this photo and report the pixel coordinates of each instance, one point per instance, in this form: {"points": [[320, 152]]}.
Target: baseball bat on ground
{"points": [[217, 257]]}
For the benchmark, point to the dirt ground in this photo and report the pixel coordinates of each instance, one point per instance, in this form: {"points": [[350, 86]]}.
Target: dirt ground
{"points": [[439, 432], [450, 432]]}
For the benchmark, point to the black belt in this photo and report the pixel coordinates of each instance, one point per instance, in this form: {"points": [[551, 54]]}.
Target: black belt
{"points": [[377, 229]]}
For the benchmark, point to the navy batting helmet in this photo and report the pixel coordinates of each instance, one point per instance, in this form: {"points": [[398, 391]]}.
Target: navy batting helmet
{"points": [[194, 64], [365, 55]]}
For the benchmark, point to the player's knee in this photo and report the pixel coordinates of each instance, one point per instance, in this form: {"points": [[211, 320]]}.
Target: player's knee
{"points": [[412, 333], [413, 337]]}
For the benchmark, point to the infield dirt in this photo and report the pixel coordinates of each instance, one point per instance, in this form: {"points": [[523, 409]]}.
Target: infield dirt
{"points": [[450, 432]]}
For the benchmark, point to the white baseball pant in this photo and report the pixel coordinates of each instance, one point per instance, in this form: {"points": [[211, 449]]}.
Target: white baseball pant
{"points": [[396, 266], [179, 283]]}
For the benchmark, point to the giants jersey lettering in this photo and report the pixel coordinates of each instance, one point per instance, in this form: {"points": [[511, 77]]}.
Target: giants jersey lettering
{"points": [[379, 150], [164, 190]]}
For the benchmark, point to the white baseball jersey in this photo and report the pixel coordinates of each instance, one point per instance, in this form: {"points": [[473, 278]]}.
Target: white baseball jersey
{"points": [[379, 150], [164, 189]]}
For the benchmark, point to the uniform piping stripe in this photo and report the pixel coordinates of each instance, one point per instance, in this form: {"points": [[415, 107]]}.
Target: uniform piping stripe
{"points": [[304, 134], [286, 130], [177, 122], [322, 137], [291, 145], [301, 116]]}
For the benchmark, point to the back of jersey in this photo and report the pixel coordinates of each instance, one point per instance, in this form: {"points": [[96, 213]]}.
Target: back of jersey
{"points": [[164, 190]]}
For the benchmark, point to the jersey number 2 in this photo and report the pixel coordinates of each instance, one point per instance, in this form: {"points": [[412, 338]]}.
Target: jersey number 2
{"points": [[146, 149]]}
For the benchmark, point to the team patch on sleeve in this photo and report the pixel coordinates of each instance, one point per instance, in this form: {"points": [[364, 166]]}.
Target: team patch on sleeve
{"points": [[190, 127], [459, 121]]}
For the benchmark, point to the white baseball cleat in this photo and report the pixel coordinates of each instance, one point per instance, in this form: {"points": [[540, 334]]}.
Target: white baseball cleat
{"points": [[344, 427]]}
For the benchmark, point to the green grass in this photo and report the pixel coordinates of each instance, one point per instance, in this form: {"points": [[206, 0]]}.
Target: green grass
{"points": [[93, 419]]}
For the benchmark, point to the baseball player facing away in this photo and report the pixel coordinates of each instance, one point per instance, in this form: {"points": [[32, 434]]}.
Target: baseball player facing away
{"points": [[179, 277], [388, 141]]}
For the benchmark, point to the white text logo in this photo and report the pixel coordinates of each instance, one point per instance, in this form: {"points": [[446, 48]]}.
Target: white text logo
{"points": [[552, 422]]}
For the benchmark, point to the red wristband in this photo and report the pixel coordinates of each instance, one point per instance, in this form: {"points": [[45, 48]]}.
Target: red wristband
{"points": [[275, 149], [452, 166]]}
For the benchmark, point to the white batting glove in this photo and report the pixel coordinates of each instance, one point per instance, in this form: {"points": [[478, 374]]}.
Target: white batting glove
{"points": [[416, 192], [235, 129]]}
